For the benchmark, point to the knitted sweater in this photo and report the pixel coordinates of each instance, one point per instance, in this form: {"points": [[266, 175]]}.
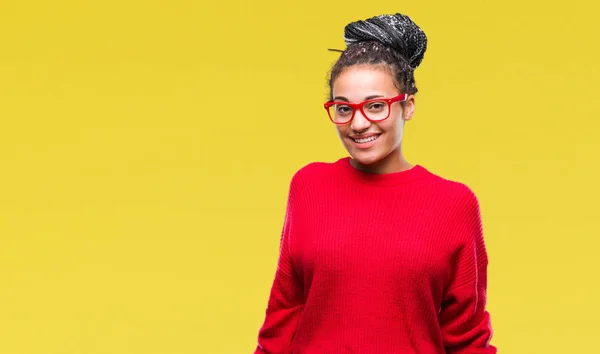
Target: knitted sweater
{"points": [[378, 263]]}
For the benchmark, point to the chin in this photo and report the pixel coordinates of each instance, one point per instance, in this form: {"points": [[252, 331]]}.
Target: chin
{"points": [[366, 158]]}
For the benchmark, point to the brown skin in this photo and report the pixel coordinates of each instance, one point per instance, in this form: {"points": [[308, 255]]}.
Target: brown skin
{"points": [[356, 84]]}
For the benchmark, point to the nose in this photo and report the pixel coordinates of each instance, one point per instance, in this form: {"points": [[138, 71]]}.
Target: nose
{"points": [[359, 122]]}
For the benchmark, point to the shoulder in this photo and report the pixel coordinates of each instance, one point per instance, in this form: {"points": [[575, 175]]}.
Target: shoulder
{"points": [[459, 204], [455, 192], [313, 168], [313, 172]]}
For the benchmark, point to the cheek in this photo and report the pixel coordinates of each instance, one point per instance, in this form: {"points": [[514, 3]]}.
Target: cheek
{"points": [[399, 126], [390, 127], [394, 130], [341, 130]]}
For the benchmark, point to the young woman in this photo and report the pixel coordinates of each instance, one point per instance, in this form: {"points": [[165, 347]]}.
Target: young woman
{"points": [[378, 255]]}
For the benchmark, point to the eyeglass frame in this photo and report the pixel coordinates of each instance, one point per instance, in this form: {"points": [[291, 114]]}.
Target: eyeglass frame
{"points": [[400, 98]]}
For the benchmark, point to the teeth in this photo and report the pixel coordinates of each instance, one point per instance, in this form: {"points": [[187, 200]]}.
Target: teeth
{"points": [[366, 140]]}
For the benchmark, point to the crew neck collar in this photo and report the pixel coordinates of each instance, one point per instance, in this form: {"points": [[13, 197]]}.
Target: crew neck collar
{"points": [[382, 179]]}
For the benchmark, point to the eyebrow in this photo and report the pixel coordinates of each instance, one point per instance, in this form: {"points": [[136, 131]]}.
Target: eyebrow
{"points": [[342, 98]]}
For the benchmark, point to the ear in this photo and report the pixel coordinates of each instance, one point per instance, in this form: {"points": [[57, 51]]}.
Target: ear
{"points": [[409, 108]]}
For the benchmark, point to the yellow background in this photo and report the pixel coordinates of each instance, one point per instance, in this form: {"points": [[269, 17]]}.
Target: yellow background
{"points": [[146, 149]]}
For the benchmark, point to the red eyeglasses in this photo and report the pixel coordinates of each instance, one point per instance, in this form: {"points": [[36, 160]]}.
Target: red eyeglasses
{"points": [[374, 110]]}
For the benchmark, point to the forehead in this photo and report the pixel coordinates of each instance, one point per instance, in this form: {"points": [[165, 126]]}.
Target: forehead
{"points": [[357, 82]]}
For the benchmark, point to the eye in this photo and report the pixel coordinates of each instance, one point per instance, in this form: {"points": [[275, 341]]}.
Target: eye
{"points": [[343, 110], [376, 106]]}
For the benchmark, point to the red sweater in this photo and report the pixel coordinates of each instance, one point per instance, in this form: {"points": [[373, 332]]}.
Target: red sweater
{"points": [[378, 263]]}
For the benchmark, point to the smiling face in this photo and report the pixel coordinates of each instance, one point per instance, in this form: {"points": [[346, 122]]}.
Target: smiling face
{"points": [[374, 146]]}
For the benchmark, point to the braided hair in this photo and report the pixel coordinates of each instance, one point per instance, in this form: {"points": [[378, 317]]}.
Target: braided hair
{"points": [[392, 41]]}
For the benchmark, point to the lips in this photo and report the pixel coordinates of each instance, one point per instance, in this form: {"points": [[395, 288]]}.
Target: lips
{"points": [[365, 142], [365, 138]]}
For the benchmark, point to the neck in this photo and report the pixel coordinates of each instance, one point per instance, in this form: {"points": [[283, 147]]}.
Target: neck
{"points": [[394, 162]]}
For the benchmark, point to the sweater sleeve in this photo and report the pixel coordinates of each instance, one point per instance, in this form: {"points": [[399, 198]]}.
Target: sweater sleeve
{"points": [[464, 320], [285, 301]]}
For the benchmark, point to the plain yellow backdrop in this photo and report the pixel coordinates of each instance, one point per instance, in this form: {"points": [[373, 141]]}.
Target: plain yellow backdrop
{"points": [[146, 149]]}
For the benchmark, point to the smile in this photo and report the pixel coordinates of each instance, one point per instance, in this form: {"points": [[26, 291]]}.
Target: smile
{"points": [[366, 140]]}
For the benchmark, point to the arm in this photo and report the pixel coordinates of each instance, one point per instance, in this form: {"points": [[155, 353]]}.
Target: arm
{"points": [[464, 320], [285, 299]]}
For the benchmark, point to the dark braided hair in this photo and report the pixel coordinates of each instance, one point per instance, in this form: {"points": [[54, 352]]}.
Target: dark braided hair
{"points": [[392, 41]]}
